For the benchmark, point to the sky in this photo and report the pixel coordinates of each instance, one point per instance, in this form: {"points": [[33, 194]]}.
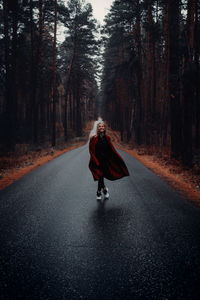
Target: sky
{"points": [[100, 8]]}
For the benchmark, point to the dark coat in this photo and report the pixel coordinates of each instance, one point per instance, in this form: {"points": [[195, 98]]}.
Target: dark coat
{"points": [[116, 167]]}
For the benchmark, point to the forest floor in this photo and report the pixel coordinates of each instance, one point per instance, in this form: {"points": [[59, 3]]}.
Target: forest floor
{"points": [[186, 182], [15, 166]]}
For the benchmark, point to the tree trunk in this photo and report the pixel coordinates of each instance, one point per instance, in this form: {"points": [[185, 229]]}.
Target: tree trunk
{"points": [[65, 118], [165, 116], [14, 92], [139, 78], [35, 63], [149, 79], [32, 72], [78, 111], [188, 80], [8, 101], [197, 80], [54, 77], [174, 81], [68, 82]]}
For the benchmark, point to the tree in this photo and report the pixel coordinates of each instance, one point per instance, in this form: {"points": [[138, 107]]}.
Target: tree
{"points": [[32, 104], [189, 88], [152, 57], [54, 77], [119, 63], [80, 47]]}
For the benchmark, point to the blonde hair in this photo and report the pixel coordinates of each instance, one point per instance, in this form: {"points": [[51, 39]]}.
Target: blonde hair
{"points": [[97, 129]]}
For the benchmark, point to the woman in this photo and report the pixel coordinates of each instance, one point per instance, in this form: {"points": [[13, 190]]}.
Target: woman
{"points": [[104, 160]]}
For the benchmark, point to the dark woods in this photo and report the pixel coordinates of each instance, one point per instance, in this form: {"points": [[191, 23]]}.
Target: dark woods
{"points": [[151, 83], [47, 88], [150, 87]]}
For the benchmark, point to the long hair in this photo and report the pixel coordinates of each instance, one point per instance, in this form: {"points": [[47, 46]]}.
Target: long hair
{"points": [[97, 129]]}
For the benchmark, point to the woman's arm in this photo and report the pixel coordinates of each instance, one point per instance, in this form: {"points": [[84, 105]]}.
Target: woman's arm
{"points": [[92, 151]]}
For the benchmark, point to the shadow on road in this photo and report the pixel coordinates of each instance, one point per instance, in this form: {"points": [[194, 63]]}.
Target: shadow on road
{"points": [[110, 223]]}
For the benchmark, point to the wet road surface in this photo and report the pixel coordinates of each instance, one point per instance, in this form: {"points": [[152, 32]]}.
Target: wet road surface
{"points": [[58, 242]]}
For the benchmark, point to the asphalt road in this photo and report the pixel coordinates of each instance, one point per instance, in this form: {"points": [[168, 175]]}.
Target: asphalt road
{"points": [[58, 242]]}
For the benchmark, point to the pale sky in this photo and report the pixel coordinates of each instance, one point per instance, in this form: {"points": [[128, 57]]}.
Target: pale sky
{"points": [[100, 8]]}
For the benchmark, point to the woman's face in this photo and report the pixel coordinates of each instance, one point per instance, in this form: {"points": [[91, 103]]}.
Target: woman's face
{"points": [[101, 128]]}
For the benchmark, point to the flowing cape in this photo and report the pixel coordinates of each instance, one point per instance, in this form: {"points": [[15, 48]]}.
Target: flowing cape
{"points": [[116, 165]]}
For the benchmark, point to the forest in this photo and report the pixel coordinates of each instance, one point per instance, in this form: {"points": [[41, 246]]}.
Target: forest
{"points": [[139, 71], [151, 83], [47, 87]]}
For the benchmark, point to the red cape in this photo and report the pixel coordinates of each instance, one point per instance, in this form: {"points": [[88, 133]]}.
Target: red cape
{"points": [[116, 166]]}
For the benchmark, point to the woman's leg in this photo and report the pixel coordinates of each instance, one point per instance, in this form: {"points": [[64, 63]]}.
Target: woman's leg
{"points": [[101, 184]]}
